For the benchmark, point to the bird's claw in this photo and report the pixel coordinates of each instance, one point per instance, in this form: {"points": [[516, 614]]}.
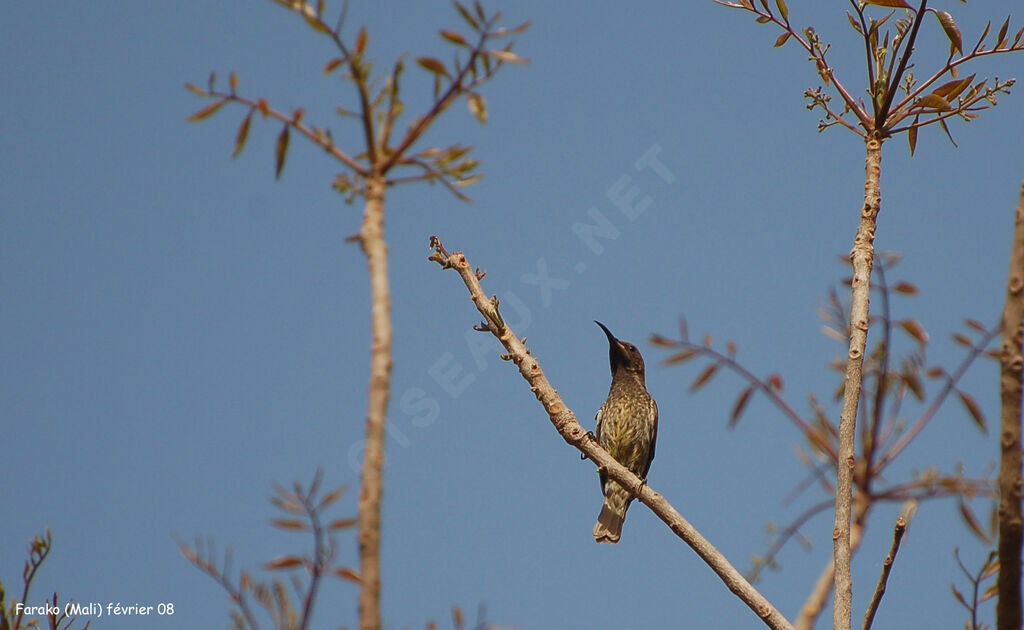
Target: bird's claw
{"points": [[590, 434]]}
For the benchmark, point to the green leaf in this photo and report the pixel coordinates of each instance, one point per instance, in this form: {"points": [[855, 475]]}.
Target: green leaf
{"points": [[933, 101], [783, 10]]}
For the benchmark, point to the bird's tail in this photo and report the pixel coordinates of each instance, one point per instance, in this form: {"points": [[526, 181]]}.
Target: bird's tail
{"points": [[609, 522]]}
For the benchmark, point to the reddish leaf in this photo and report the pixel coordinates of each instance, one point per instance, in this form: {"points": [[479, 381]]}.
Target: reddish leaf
{"points": [[289, 523], [906, 288], [956, 42], [912, 136], [333, 65], [913, 383], [331, 497], [704, 377], [914, 329], [960, 598], [457, 619], [207, 111], [466, 15], [233, 81], [284, 562], [730, 348], [361, 41], [685, 355], [263, 107], [776, 382], [854, 23], [976, 325], [198, 91], [242, 135], [346, 573], [658, 340], [433, 65], [953, 89], [935, 372], [962, 339], [974, 410], [933, 101], [898, 4], [1002, 32], [341, 523], [782, 39], [280, 152], [455, 37], [972, 521], [741, 403]]}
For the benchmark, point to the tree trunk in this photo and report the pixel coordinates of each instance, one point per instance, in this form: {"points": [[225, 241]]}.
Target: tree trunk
{"points": [[375, 248], [1008, 610]]}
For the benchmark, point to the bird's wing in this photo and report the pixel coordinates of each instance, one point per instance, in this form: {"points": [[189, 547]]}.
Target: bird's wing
{"points": [[654, 440]]}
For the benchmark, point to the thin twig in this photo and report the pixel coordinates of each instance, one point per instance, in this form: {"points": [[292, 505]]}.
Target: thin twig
{"points": [[876, 599]]}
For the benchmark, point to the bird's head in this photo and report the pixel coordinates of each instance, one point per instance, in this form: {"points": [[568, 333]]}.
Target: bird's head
{"points": [[621, 354]]}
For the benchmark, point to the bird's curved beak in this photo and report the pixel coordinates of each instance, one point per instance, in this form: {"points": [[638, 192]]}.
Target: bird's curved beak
{"points": [[611, 337], [616, 353]]}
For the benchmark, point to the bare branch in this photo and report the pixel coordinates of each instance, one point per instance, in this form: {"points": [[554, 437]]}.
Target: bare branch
{"points": [[564, 421], [876, 599]]}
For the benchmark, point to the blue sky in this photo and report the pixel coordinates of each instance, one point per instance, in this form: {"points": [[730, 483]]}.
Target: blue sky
{"points": [[180, 330]]}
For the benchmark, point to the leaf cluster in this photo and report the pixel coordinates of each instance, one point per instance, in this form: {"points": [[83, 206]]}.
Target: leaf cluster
{"points": [[10, 617], [889, 381], [301, 510], [476, 58], [897, 100], [986, 573]]}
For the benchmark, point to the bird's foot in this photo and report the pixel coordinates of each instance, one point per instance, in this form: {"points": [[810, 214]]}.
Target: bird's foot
{"points": [[590, 434]]}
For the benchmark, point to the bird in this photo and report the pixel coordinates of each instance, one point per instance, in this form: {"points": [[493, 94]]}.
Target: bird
{"points": [[627, 427]]}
